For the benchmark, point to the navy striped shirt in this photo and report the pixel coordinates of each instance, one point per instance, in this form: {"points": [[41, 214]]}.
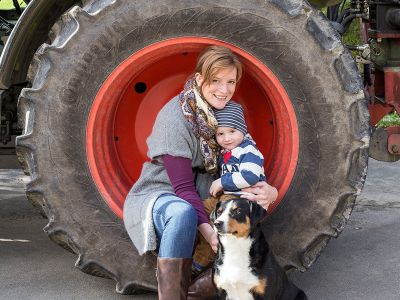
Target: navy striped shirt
{"points": [[244, 168]]}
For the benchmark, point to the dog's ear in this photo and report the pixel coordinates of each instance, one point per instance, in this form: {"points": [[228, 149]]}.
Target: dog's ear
{"points": [[213, 215], [257, 213]]}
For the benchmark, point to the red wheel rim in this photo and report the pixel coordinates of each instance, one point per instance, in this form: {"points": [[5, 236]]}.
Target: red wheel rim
{"points": [[124, 110]]}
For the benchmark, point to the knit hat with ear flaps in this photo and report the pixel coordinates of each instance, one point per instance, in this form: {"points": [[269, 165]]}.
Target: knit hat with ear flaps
{"points": [[231, 116]]}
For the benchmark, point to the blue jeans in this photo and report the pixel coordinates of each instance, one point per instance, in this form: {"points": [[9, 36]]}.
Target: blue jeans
{"points": [[175, 221]]}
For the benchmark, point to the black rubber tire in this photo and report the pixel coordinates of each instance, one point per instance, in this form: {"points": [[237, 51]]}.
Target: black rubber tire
{"points": [[293, 40]]}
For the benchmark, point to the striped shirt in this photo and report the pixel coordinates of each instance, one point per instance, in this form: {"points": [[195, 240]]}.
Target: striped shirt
{"points": [[242, 167]]}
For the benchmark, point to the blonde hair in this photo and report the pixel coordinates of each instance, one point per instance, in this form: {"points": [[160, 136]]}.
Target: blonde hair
{"points": [[214, 58]]}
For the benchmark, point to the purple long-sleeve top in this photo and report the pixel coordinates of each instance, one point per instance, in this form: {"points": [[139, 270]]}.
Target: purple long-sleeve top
{"points": [[179, 170]]}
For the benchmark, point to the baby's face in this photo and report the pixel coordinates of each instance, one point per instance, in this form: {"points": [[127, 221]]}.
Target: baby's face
{"points": [[229, 138]]}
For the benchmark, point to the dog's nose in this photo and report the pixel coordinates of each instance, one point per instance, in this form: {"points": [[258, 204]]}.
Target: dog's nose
{"points": [[218, 224]]}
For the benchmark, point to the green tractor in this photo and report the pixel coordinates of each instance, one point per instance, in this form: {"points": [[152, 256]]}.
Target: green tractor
{"points": [[82, 81]]}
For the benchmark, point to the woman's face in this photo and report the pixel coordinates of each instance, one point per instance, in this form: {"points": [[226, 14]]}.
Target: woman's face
{"points": [[221, 88]]}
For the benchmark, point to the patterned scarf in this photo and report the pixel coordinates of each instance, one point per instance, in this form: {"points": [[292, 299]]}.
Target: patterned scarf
{"points": [[203, 123]]}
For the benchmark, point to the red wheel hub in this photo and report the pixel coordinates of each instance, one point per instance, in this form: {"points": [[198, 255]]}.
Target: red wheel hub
{"points": [[125, 108]]}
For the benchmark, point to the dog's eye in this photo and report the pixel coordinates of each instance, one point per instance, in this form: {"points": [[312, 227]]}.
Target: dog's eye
{"points": [[235, 211], [219, 211]]}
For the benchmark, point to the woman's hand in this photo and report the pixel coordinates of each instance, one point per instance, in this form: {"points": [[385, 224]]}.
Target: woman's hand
{"points": [[216, 187], [210, 235], [262, 193], [214, 242]]}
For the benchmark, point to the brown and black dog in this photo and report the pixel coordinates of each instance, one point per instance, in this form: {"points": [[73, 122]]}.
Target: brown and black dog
{"points": [[245, 267]]}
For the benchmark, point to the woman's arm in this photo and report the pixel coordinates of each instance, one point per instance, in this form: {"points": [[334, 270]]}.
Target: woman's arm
{"points": [[210, 235], [262, 193], [179, 170]]}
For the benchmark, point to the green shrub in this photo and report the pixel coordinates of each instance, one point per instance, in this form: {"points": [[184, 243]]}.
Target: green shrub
{"points": [[392, 119]]}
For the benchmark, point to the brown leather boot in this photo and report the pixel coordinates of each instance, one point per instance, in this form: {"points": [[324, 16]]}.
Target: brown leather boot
{"points": [[173, 275], [202, 287]]}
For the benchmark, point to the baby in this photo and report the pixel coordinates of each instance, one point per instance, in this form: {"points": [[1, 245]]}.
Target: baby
{"points": [[241, 163]]}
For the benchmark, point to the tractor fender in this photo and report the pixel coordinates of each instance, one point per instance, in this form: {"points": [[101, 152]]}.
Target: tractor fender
{"points": [[28, 34]]}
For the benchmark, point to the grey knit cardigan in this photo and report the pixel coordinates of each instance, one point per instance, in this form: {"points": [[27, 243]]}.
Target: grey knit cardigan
{"points": [[171, 135]]}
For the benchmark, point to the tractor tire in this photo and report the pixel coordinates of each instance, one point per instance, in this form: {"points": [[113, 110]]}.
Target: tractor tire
{"points": [[90, 42]]}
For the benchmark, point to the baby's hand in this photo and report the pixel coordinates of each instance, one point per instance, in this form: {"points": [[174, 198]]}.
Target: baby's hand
{"points": [[216, 187]]}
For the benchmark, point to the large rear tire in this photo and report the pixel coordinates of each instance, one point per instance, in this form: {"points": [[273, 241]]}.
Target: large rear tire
{"points": [[319, 179]]}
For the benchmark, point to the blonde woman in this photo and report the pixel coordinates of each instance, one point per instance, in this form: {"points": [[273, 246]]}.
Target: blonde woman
{"points": [[164, 210]]}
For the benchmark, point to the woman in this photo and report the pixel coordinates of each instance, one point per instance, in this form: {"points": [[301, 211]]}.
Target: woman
{"points": [[163, 210]]}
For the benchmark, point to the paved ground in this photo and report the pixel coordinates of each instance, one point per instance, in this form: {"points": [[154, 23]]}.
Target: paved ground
{"points": [[361, 264]]}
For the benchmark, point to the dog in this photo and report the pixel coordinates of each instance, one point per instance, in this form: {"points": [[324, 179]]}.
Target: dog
{"points": [[245, 267]]}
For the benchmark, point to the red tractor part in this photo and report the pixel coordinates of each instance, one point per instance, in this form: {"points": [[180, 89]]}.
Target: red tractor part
{"points": [[125, 108], [393, 145], [385, 143]]}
